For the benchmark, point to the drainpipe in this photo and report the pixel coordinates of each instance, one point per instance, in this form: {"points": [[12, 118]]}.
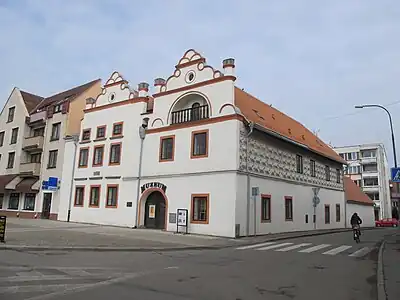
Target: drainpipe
{"points": [[75, 139], [251, 127], [142, 135]]}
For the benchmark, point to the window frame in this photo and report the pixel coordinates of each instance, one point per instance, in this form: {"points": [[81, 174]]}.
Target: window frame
{"points": [[12, 140], [289, 198], [94, 186], [2, 137], [9, 200], [338, 176], [327, 220], [83, 134], [113, 135], [313, 168], [110, 163], [327, 173], [48, 161], [11, 116], [94, 155], [116, 195], [31, 195], [8, 160], [97, 132], [265, 219], [162, 139], [80, 156], [55, 125], [83, 195], [207, 142], [193, 197], [337, 212], [299, 164]]}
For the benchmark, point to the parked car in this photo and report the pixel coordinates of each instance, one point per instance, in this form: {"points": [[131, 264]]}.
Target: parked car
{"points": [[390, 222]]}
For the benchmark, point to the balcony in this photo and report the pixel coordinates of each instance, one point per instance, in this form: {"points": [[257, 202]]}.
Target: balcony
{"points": [[37, 118], [368, 160], [29, 169], [33, 143], [190, 114]]}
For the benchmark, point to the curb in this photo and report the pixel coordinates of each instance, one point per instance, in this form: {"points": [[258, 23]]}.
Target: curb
{"points": [[380, 278]]}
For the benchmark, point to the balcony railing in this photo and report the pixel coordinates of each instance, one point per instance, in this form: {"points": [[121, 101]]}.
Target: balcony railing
{"points": [[37, 117], [33, 143], [190, 114], [29, 169]]}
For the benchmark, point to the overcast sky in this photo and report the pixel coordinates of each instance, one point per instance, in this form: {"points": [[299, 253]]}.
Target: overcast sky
{"points": [[312, 59]]}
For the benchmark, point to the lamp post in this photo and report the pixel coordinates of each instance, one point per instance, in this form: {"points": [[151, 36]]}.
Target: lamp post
{"points": [[75, 139], [391, 126]]}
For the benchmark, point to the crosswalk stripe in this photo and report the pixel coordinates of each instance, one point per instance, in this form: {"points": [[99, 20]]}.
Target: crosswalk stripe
{"points": [[293, 247], [255, 246], [315, 248], [37, 288], [361, 252], [337, 250], [274, 246]]}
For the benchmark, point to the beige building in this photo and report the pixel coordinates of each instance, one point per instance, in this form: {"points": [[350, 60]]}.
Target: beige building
{"points": [[32, 131]]}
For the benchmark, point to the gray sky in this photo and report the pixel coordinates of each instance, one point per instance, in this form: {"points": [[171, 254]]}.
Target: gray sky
{"points": [[312, 59]]}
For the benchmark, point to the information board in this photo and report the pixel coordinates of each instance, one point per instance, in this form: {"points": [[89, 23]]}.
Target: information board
{"points": [[3, 221], [152, 211], [182, 216]]}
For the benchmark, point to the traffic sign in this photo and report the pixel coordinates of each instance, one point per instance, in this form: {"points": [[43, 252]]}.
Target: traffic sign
{"points": [[396, 174]]}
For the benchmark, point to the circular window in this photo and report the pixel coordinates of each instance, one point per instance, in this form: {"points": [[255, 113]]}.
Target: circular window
{"points": [[190, 76], [112, 97]]}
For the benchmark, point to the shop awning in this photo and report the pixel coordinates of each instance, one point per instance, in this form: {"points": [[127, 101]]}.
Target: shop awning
{"points": [[4, 180], [25, 186]]}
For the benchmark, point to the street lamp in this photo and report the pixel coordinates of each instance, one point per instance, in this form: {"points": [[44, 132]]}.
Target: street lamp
{"points": [[391, 126], [75, 139]]}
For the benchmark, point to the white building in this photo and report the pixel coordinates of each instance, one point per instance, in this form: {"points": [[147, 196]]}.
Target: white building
{"points": [[368, 168], [32, 144], [206, 143]]}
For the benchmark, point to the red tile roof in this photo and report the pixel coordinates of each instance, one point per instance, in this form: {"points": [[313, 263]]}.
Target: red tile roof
{"points": [[354, 194], [272, 119]]}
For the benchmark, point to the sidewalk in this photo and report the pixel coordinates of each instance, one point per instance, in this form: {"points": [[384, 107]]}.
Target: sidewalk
{"points": [[37, 235], [391, 267]]}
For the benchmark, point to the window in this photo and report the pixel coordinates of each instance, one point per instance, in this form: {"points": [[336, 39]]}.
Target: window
{"points": [[199, 144], [11, 158], [112, 196], [338, 175], [167, 145], [115, 154], [29, 203], [57, 108], [101, 132], [94, 196], [11, 112], [52, 163], [35, 158], [373, 181], [98, 156], [55, 132], [327, 173], [1, 200], [265, 208], [2, 138], [13, 202], [312, 168], [117, 129], [299, 164], [337, 212], [79, 195], [14, 136], [327, 214], [200, 206], [368, 153], [85, 134], [38, 131], [83, 157], [288, 208], [195, 111]]}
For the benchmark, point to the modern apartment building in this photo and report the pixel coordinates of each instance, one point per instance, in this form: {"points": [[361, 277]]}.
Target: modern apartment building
{"points": [[395, 198], [36, 148], [368, 168], [195, 150]]}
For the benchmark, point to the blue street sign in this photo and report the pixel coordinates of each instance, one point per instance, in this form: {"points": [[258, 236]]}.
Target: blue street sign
{"points": [[396, 174], [45, 185], [53, 181]]}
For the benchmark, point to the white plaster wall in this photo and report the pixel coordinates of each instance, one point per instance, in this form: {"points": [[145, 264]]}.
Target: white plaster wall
{"points": [[302, 205], [222, 148], [365, 212], [15, 100]]}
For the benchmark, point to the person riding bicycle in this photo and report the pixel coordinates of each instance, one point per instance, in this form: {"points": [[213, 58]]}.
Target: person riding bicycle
{"points": [[355, 222]]}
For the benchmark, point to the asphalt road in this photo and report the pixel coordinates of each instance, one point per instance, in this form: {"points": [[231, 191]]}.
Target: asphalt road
{"points": [[329, 266]]}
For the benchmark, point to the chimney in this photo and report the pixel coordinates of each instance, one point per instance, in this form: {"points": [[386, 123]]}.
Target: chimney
{"points": [[229, 66], [158, 83], [143, 89]]}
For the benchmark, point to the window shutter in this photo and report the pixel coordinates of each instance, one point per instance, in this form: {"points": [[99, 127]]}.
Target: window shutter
{"points": [[65, 107]]}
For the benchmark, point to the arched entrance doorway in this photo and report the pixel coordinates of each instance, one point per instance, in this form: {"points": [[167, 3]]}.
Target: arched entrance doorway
{"points": [[155, 211]]}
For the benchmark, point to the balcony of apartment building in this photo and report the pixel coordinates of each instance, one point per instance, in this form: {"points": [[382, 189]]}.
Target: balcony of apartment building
{"points": [[190, 108], [35, 140], [30, 165], [370, 184], [370, 169], [368, 157]]}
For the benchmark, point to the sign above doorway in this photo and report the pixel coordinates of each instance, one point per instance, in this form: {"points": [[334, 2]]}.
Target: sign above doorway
{"points": [[153, 185]]}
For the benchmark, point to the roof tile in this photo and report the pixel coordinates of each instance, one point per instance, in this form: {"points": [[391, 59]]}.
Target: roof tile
{"points": [[354, 193]]}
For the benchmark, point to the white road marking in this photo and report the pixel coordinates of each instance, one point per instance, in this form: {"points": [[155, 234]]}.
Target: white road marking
{"points": [[255, 246], [35, 278], [361, 252], [337, 250], [36, 288], [315, 248], [274, 246], [293, 247], [76, 272]]}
